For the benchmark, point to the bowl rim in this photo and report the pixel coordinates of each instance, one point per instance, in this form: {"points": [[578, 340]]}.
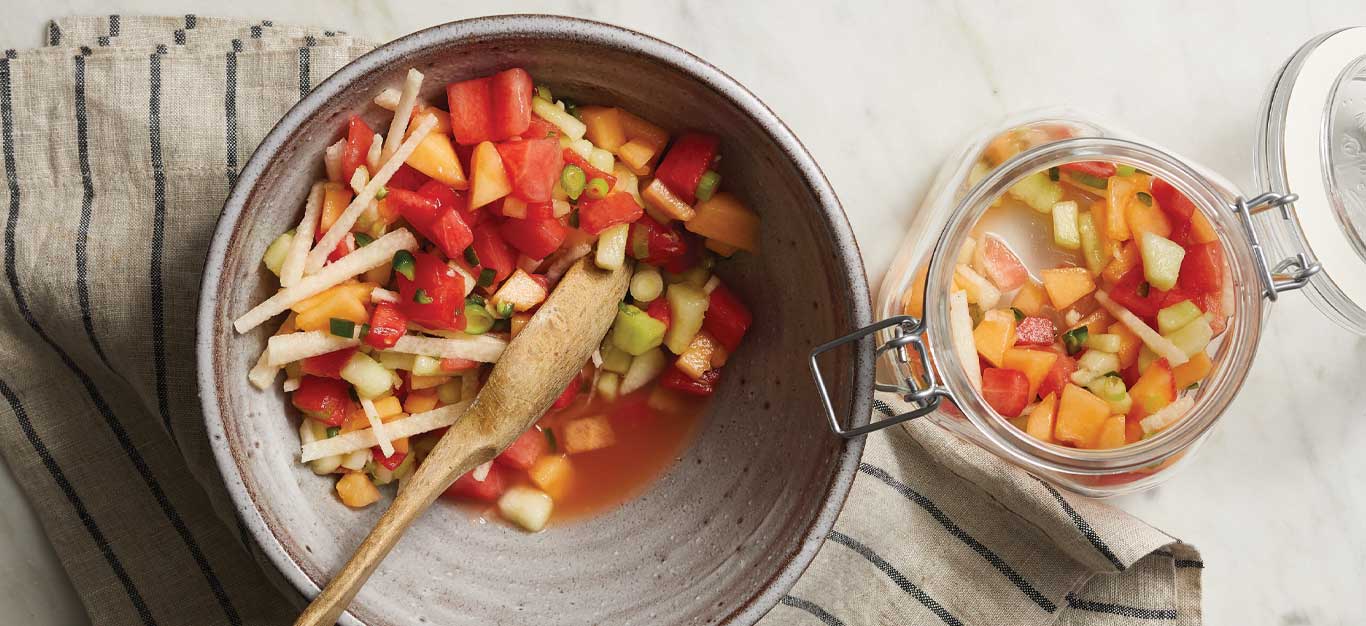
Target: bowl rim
{"points": [[512, 26]]}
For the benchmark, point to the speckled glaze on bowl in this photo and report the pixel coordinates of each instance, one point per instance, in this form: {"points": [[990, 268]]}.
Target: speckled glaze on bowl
{"points": [[728, 529]]}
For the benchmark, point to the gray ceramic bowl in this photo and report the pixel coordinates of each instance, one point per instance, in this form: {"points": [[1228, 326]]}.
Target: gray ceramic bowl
{"points": [[729, 528]]}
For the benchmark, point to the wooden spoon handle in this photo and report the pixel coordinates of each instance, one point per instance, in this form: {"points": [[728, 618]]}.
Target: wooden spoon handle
{"points": [[533, 370]]}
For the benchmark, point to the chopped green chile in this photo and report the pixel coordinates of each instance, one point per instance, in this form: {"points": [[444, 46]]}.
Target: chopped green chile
{"points": [[471, 256], [333, 431], [421, 297], [475, 300], [1074, 340], [505, 310], [382, 193], [1145, 197], [550, 440], [404, 262], [341, 327], [1019, 315], [1053, 174], [363, 240], [1095, 182], [486, 277]]}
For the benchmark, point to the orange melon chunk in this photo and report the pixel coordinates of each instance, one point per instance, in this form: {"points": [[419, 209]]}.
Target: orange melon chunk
{"points": [[1066, 285], [1081, 416]]}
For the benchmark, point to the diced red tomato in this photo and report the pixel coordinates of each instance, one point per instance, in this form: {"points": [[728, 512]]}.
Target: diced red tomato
{"points": [[327, 400], [407, 177], [470, 104], [387, 324], [358, 140], [1100, 169], [659, 309], [443, 293], [655, 243], [442, 225], [532, 166], [493, 251], [676, 379], [618, 207], [540, 129], [567, 396], [1177, 206], [727, 318], [328, 365], [487, 490], [687, 160], [1128, 292], [1002, 266], [535, 237], [1059, 376], [571, 157], [1005, 390], [1035, 331], [390, 462], [524, 451], [1202, 269], [457, 364], [510, 99]]}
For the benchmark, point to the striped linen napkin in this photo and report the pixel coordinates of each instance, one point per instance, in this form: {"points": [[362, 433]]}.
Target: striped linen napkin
{"points": [[120, 141]]}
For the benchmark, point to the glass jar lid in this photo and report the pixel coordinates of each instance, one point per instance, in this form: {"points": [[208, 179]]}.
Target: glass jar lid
{"points": [[1313, 144]]}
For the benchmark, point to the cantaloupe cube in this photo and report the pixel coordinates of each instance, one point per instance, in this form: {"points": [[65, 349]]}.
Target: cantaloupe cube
{"points": [[1126, 257], [553, 473], [342, 304], [1029, 299], [423, 383], [1192, 371], [520, 290], [336, 197], [356, 490], [636, 155], [387, 406], [1019, 421], [435, 157], [1111, 434], [1081, 415], [1034, 363], [1154, 389], [994, 336], [488, 178], [642, 130], [420, 400], [979, 290], [1118, 195], [1201, 229], [1129, 344], [697, 359], [604, 127], [725, 219], [587, 434], [1066, 285], [1147, 218], [1041, 419]]}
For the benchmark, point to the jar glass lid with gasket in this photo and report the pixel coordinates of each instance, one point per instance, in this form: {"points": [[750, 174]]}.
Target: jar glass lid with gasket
{"points": [[1086, 304]]}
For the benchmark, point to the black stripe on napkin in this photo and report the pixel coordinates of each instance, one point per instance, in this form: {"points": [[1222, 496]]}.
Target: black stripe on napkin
{"points": [[59, 477], [306, 65], [158, 239], [896, 576], [54, 33], [191, 20], [87, 203], [114, 23], [939, 516], [814, 609], [230, 111], [1119, 609], [1082, 525]]}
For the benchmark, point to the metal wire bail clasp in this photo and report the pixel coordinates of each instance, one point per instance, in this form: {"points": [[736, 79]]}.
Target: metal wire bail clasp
{"points": [[1287, 274], [924, 396]]}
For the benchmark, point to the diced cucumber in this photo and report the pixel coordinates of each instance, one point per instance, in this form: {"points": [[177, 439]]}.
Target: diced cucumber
{"points": [[1111, 390], [615, 359], [396, 361], [382, 475], [1193, 337], [1172, 318], [644, 368], [1037, 191], [1161, 260], [1146, 357], [1097, 361], [274, 258], [1124, 170], [1084, 377], [1065, 230], [369, 377], [609, 383], [527, 507], [427, 366], [1096, 255], [449, 392], [1104, 342], [687, 306], [635, 332], [612, 247]]}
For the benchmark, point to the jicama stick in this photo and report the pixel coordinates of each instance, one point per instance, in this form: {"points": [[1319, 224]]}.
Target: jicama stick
{"points": [[1157, 343], [482, 348], [318, 256], [1167, 415], [960, 325], [556, 271], [263, 374], [377, 426], [284, 349], [372, 159], [292, 270], [359, 179], [379, 294], [481, 471], [572, 127], [378, 253], [415, 424], [332, 160], [398, 124], [387, 99]]}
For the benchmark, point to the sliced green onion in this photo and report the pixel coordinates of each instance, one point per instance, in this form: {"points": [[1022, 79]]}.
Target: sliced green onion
{"points": [[477, 318], [550, 440], [474, 299], [382, 193], [333, 431], [1089, 180], [363, 240], [364, 330], [421, 297], [1125, 170], [574, 219], [341, 327], [1145, 198], [707, 185], [486, 277], [572, 178], [1144, 289], [597, 188], [1053, 174], [471, 256], [505, 310], [404, 263], [1019, 315], [502, 326], [543, 93], [1074, 340]]}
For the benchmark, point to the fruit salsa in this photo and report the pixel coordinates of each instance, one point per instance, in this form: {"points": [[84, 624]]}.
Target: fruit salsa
{"points": [[1100, 339], [406, 278]]}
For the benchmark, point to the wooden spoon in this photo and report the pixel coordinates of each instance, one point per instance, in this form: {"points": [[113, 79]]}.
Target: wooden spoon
{"points": [[533, 371]]}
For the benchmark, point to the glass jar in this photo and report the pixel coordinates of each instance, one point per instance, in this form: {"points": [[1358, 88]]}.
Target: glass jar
{"points": [[1313, 144]]}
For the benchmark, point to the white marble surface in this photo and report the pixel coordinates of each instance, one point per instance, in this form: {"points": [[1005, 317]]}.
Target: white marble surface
{"points": [[881, 93]]}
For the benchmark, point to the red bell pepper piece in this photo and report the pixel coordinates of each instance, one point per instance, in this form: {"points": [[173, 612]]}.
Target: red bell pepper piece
{"points": [[1202, 269], [1099, 169], [532, 167], [510, 99], [487, 490], [524, 451], [659, 309], [1005, 390], [442, 297], [390, 462], [655, 243], [327, 365], [387, 324], [493, 251], [1176, 205], [687, 160], [618, 207], [727, 318], [344, 247], [535, 237], [572, 158], [443, 226], [675, 379], [327, 400], [541, 129], [470, 103], [457, 364], [358, 140], [1059, 375], [406, 177], [1035, 331]]}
